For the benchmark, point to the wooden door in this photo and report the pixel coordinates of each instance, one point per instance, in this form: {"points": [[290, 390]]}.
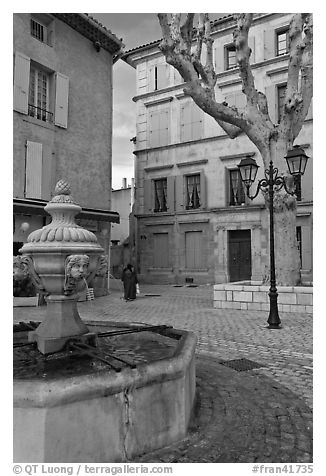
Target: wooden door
{"points": [[239, 255]]}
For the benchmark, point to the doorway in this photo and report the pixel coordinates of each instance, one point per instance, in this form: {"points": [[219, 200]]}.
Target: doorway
{"points": [[239, 255]]}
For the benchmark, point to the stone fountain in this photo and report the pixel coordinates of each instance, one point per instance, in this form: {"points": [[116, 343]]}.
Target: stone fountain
{"points": [[72, 402]]}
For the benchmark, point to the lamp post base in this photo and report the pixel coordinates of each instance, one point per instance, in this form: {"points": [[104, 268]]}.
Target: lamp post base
{"points": [[273, 320]]}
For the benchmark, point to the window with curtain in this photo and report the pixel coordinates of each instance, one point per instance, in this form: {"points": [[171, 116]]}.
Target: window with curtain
{"points": [[281, 90], [237, 194], [193, 191], [160, 193]]}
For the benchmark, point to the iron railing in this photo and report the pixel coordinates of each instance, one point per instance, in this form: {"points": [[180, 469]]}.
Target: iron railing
{"points": [[39, 113]]}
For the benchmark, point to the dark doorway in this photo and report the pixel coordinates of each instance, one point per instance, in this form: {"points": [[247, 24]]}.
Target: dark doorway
{"points": [[239, 255]]}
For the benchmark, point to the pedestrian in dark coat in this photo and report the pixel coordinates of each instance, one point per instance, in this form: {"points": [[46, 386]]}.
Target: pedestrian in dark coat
{"points": [[129, 279]]}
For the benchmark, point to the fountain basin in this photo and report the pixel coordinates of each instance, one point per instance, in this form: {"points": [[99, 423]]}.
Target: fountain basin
{"points": [[104, 416]]}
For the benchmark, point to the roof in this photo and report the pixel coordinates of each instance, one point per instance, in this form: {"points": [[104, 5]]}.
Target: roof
{"points": [[92, 29], [214, 26]]}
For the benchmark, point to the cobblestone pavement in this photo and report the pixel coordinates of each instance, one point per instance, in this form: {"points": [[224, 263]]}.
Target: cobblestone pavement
{"points": [[260, 415]]}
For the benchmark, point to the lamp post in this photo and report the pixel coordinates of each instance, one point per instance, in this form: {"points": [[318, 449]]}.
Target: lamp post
{"points": [[296, 160]]}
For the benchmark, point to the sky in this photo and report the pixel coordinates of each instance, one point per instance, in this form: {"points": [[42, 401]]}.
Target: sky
{"points": [[135, 29]]}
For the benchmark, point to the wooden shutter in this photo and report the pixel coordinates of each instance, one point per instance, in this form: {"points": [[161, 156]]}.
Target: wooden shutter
{"points": [[203, 193], [21, 82], [185, 123], [164, 127], [196, 122], [161, 250], [194, 254], [219, 59], [251, 44], [148, 196], [61, 100], [162, 76], [179, 193], [269, 44], [170, 193], [33, 177], [151, 79], [270, 92], [154, 126]]}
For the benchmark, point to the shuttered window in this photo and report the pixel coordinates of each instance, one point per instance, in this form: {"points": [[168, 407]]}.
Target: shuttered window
{"points": [[194, 252], [158, 127], [191, 123], [33, 174], [159, 77], [161, 250], [32, 92]]}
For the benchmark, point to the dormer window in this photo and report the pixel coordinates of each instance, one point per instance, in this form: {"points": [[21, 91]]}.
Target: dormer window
{"points": [[41, 28]]}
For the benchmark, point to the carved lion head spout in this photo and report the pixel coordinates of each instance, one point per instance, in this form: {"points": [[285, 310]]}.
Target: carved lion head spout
{"points": [[76, 271]]}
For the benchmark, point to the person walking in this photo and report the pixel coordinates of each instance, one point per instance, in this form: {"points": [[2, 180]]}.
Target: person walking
{"points": [[129, 279]]}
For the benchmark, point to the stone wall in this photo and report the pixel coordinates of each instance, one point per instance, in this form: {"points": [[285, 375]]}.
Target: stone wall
{"points": [[253, 296]]}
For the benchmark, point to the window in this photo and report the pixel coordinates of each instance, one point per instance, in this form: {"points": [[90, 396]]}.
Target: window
{"points": [[190, 122], [237, 194], [159, 77], [38, 99], [38, 30], [299, 242], [282, 42], [230, 57], [192, 191], [38, 91], [160, 194], [281, 91], [42, 28]]}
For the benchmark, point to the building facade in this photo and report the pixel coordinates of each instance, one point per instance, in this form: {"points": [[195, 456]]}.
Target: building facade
{"points": [[62, 119], [194, 222]]}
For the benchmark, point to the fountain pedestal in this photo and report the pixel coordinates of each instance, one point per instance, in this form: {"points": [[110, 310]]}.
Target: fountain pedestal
{"points": [[61, 324], [61, 258]]}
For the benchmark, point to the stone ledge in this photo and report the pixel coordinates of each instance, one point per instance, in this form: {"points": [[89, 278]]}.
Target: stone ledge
{"points": [[246, 295]]}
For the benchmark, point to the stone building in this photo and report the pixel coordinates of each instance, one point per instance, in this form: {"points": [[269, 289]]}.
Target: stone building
{"points": [[62, 118], [194, 222]]}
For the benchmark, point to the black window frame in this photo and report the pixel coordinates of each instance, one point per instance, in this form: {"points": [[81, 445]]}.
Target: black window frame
{"points": [[193, 203], [278, 33], [233, 200], [157, 207], [227, 49]]}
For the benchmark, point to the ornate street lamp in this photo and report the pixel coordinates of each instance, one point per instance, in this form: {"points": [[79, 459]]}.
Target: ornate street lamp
{"points": [[296, 160]]}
